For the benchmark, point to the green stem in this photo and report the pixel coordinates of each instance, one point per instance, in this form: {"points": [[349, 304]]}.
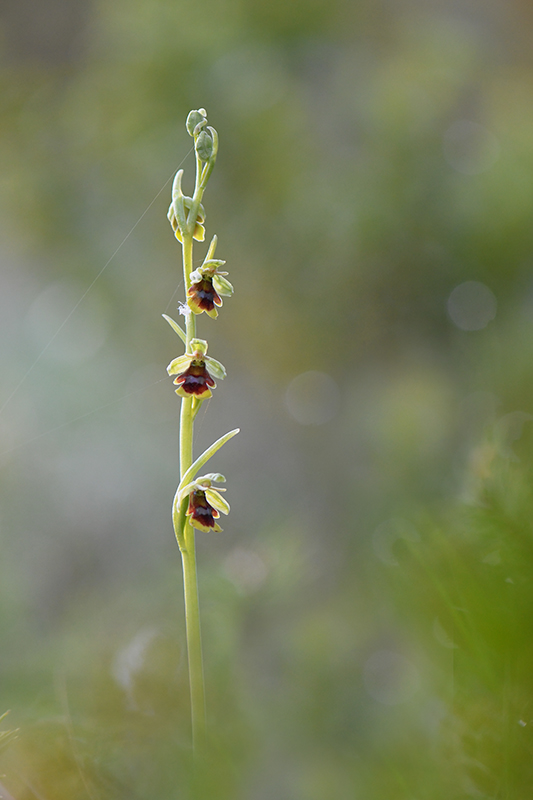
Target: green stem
{"points": [[194, 641], [185, 532]]}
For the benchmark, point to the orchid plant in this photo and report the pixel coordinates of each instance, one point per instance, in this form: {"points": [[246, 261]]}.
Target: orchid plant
{"points": [[197, 505]]}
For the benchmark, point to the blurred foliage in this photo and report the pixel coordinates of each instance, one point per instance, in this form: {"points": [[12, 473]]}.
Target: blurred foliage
{"points": [[366, 613]]}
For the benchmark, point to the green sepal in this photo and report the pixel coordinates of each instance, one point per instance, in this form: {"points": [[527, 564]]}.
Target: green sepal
{"points": [[183, 491], [202, 483], [215, 368], [178, 365], [206, 455], [200, 345], [214, 136], [209, 269], [174, 325], [209, 165], [217, 501], [222, 285], [213, 477]]}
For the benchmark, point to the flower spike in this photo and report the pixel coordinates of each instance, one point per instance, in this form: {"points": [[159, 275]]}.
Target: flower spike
{"points": [[197, 504]]}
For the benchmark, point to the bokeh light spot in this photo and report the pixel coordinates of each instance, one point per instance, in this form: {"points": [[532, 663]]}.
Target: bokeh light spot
{"points": [[471, 306]]}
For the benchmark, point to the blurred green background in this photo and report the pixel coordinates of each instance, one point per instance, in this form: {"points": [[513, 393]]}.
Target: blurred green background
{"points": [[367, 611]]}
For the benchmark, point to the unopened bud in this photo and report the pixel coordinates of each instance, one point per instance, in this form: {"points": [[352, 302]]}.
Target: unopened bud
{"points": [[195, 118], [204, 146]]}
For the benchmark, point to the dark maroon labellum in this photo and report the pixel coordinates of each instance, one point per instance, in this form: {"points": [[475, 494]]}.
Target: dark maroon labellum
{"points": [[202, 514], [204, 296], [196, 381]]}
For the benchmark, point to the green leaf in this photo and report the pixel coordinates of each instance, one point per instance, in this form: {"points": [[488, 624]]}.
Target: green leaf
{"points": [[179, 330], [204, 458]]}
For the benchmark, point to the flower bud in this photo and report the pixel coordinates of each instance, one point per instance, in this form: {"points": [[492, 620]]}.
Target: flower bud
{"points": [[195, 118], [204, 146]]}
